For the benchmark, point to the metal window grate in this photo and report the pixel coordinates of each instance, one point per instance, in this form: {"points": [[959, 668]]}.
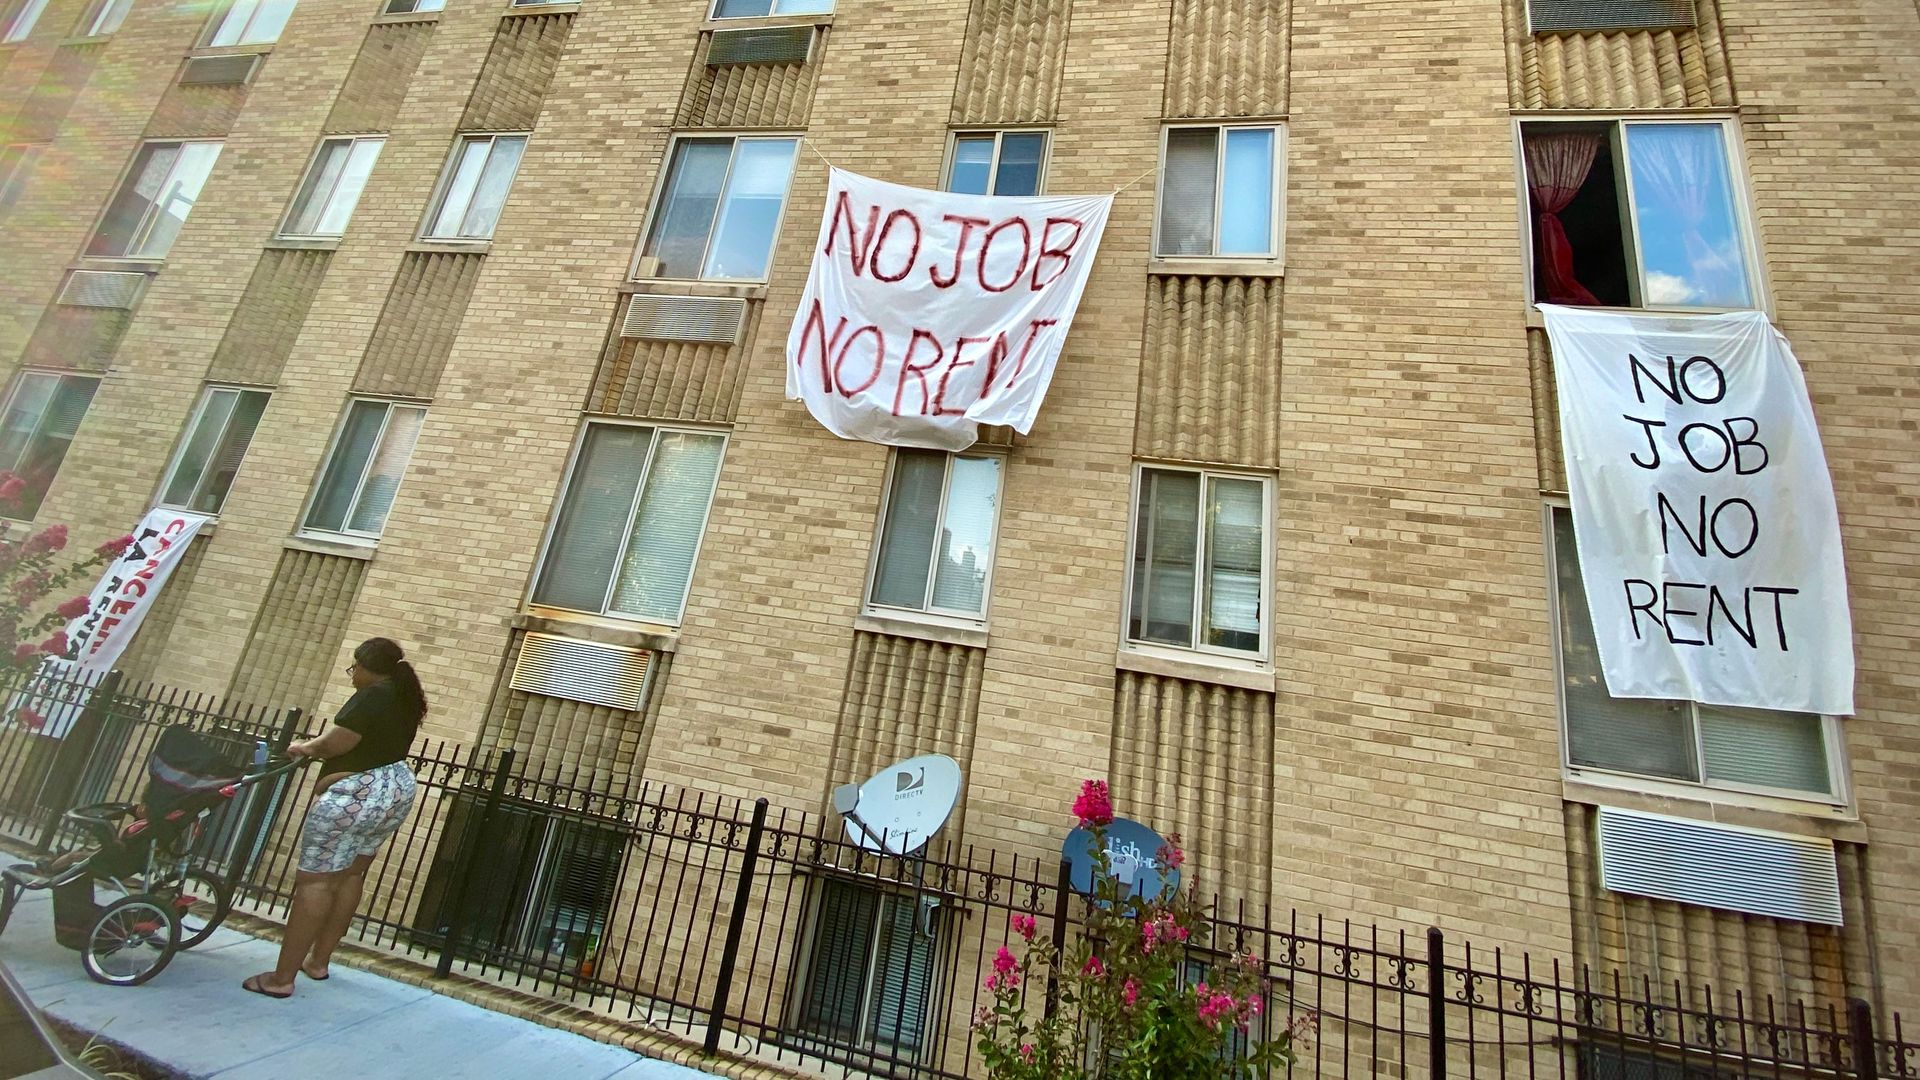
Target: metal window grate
{"points": [[219, 70], [563, 667], [102, 289], [714, 319], [1719, 866], [767, 45], [1550, 16]]}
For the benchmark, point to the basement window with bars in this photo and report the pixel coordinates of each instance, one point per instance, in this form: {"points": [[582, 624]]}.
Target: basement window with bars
{"points": [[103, 17], [630, 522], [747, 9], [1198, 568], [333, 185], [997, 162], [1761, 751], [473, 188], [1637, 213], [206, 463], [871, 971], [20, 21], [43, 411], [249, 22], [159, 191], [1220, 192], [937, 530], [719, 210], [363, 473]]}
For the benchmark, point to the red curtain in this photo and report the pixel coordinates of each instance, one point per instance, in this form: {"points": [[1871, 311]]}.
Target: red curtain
{"points": [[1556, 167]]}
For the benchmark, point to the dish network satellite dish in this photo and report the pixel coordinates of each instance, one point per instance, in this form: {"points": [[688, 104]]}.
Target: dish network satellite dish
{"points": [[900, 809]]}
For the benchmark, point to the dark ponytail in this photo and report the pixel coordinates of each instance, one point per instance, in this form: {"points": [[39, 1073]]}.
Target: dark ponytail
{"points": [[384, 657]]}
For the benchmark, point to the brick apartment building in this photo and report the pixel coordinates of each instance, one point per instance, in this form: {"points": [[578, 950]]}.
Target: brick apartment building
{"points": [[473, 338]]}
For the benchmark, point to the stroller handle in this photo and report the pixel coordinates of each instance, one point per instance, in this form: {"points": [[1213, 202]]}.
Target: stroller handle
{"points": [[272, 772]]}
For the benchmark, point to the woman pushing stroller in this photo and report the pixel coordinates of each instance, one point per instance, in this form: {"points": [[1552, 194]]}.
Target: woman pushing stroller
{"points": [[360, 801]]}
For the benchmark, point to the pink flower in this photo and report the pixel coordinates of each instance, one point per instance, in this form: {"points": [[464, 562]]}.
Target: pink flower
{"points": [[52, 538], [1003, 961], [32, 587], [1093, 967], [1022, 925], [30, 720], [1170, 857], [1254, 1007], [114, 547], [992, 984], [1130, 993], [24, 653], [1213, 1006], [982, 1017], [75, 607], [1094, 807], [11, 486], [55, 645], [1026, 1052]]}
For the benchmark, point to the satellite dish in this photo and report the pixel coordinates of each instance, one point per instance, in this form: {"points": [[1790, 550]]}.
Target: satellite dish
{"points": [[1133, 856], [902, 806]]}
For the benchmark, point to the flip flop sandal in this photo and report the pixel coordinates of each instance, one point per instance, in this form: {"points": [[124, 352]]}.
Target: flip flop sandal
{"points": [[322, 977], [253, 985]]}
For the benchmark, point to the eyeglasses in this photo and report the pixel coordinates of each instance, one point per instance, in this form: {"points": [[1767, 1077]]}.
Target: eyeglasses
{"points": [[351, 668]]}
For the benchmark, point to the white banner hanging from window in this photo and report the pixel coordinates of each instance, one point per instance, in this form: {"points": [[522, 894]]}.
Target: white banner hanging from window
{"points": [[1702, 509], [927, 313]]}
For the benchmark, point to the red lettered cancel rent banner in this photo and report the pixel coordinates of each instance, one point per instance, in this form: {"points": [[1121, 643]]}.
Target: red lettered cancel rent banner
{"points": [[928, 314]]}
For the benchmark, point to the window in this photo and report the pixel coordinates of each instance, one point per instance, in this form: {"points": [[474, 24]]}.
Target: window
{"points": [[872, 969], [249, 22], [937, 532], [1220, 192], [1637, 214], [997, 162], [746, 9], [43, 412], [154, 200], [332, 188], [20, 23], [216, 443], [474, 187], [363, 473], [104, 17], [630, 523], [1716, 746], [1199, 562], [16, 168], [407, 7], [720, 208]]}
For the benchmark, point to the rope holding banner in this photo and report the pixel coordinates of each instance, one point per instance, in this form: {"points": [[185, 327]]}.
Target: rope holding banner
{"points": [[816, 152], [1136, 180]]}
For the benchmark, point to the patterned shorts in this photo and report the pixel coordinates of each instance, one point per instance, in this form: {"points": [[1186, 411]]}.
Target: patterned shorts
{"points": [[354, 817]]}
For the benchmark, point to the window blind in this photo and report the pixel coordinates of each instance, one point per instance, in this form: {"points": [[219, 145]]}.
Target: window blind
{"points": [[1235, 518], [1764, 747], [582, 875], [592, 530], [903, 976], [908, 535], [389, 465], [654, 574], [350, 455], [684, 219], [842, 947], [1166, 547], [1187, 191]]}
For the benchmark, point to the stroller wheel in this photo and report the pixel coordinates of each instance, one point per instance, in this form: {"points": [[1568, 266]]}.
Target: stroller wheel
{"points": [[132, 940], [201, 900]]}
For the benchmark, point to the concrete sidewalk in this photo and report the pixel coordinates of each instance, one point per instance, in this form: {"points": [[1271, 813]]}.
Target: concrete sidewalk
{"points": [[194, 1018]]}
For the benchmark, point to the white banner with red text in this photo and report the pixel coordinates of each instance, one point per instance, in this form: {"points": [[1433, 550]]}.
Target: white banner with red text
{"points": [[1704, 515], [928, 313]]}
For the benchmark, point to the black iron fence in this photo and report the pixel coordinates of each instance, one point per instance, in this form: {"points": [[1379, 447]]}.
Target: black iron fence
{"points": [[762, 931]]}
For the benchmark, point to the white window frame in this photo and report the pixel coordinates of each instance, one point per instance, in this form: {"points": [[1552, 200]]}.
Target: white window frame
{"points": [[1832, 739], [313, 162], [219, 22], [666, 175], [640, 491], [927, 909], [92, 24], [420, 7], [360, 485], [773, 12], [1737, 181], [929, 613], [442, 187], [21, 21], [186, 438], [6, 406], [144, 230], [1277, 209], [993, 165], [1263, 661]]}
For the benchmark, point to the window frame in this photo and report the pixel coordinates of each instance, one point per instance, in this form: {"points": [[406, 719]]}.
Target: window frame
{"points": [[1200, 651], [97, 12], [929, 907], [12, 391], [218, 22], [929, 613], [344, 534], [713, 13], [20, 159], [295, 206], [993, 165], [21, 19], [191, 429], [144, 230], [387, 12], [1833, 742], [640, 490], [1276, 208], [1739, 183], [443, 186], [663, 181]]}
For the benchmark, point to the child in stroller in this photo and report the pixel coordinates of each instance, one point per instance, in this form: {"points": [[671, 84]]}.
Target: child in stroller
{"points": [[146, 851]]}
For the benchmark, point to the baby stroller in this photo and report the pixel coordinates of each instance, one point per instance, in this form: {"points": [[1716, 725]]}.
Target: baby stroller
{"points": [[145, 851]]}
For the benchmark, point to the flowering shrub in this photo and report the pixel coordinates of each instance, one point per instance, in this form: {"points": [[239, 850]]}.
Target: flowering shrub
{"points": [[31, 570], [1138, 995]]}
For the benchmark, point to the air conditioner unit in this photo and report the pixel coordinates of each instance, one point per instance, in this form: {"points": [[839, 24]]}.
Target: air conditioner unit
{"points": [[760, 45], [714, 320], [1719, 866], [1550, 16], [101, 289], [564, 667], [235, 69]]}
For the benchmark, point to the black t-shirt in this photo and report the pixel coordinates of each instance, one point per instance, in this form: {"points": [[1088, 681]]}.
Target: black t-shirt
{"points": [[384, 725]]}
